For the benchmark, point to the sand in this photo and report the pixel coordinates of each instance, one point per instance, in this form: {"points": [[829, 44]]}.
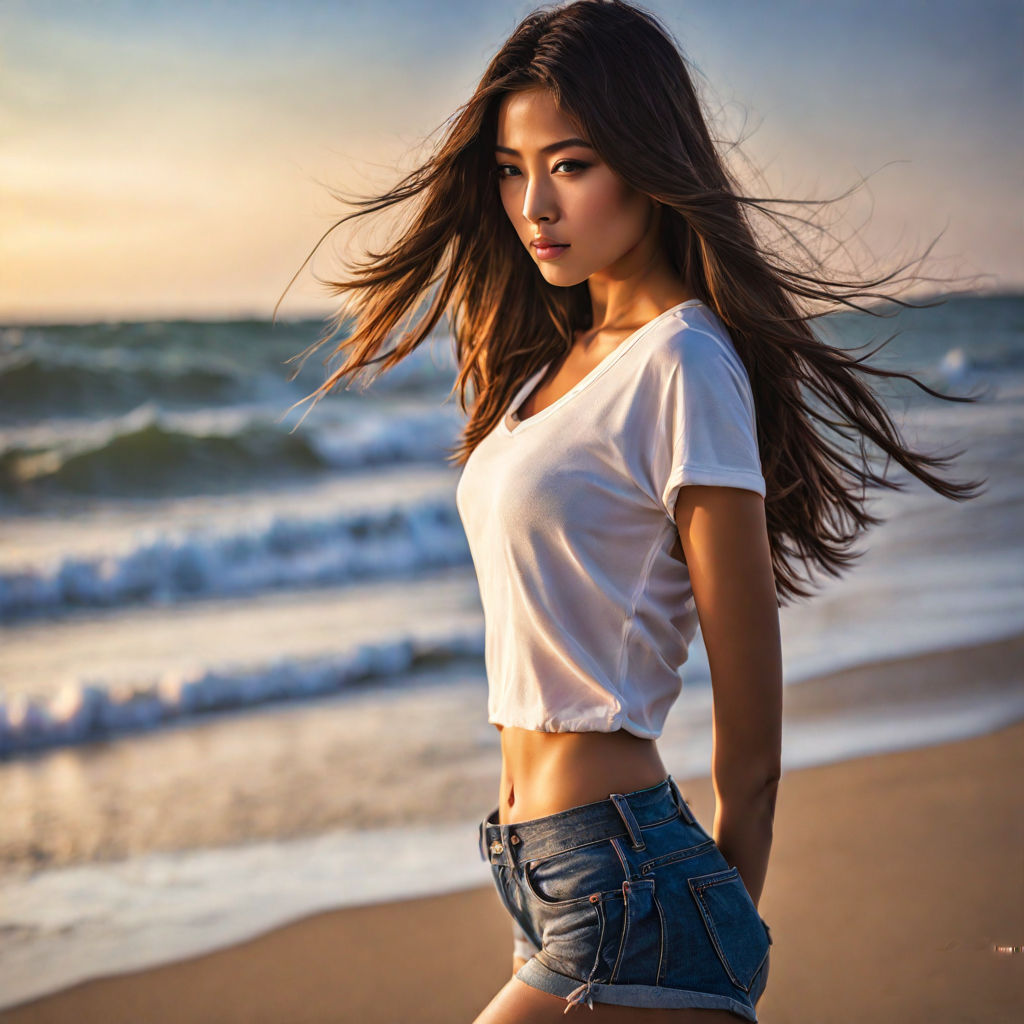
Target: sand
{"points": [[892, 881]]}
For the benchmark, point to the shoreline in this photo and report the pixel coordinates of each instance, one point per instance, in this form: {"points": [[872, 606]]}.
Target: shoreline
{"points": [[276, 767], [911, 879]]}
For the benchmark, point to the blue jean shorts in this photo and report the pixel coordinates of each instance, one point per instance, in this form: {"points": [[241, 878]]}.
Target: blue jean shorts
{"points": [[629, 901]]}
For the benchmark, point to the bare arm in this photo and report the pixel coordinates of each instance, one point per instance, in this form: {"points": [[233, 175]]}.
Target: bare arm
{"points": [[725, 542]]}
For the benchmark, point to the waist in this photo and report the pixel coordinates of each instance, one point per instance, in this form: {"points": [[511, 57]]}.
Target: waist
{"points": [[543, 773], [617, 815]]}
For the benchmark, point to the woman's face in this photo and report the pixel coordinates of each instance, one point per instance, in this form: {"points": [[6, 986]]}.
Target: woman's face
{"points": [[564, 192]]}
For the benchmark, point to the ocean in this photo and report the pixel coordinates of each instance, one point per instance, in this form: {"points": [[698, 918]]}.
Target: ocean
{"points": [[241, 668]]}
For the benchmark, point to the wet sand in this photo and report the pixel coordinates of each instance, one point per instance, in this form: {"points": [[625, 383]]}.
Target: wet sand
{"points": [[892, 881]]}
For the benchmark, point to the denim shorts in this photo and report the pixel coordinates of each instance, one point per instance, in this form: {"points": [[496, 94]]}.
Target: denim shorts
{"points": [[629, 901]]}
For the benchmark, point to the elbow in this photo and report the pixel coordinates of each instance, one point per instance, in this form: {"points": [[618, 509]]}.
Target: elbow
{"points": [[764, 787], [768, 782], [749, 801], [749, 784]]}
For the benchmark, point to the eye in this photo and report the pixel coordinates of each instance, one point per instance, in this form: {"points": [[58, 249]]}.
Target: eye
{"points": [[571, 165]]}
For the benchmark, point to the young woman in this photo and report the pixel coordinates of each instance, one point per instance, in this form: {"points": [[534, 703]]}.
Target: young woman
{"points": [[639, 458]]}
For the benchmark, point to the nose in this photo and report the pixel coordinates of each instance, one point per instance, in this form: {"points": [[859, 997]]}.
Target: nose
{"points": [[539, 202]]}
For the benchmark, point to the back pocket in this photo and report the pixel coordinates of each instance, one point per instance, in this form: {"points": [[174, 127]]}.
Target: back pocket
{"points": [[737, 931]]}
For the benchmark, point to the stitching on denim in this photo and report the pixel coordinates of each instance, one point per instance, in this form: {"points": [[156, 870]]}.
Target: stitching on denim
{"points": [[676, 855], [627, 893], [594, 842], [569, 849], [621, 804], [759, 980], [758, 971], [568, 811], [698, 891], [528, 880], [622, 935], [623, 860], [583, 993], [714, 877], [488, 824], [547, 901], [661, 936], [710, 922], [599, 907], [674, 816]]}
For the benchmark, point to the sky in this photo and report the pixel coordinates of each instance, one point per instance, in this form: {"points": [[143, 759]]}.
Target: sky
{"points": [[174, 159]]}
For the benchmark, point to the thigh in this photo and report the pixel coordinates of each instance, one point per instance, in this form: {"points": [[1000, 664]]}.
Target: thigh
{"points": [[519, 1003]]}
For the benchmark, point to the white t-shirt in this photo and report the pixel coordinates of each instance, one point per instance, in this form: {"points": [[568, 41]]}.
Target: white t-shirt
{"points": [[569, 516]]}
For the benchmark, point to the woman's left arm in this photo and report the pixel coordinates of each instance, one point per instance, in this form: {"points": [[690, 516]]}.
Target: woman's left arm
{"points": [[725, 541]]}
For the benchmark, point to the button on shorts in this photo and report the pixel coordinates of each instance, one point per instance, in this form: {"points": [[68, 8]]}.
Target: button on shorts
{"points": [[629, 901]]}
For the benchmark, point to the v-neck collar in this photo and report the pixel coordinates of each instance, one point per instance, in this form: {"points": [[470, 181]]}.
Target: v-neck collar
{"points": [[616, 353]]}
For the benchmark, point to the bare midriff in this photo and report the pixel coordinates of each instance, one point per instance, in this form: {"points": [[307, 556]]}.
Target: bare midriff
{"points": [[546, 772]]}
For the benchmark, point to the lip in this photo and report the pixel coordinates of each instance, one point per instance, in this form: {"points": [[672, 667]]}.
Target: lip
{"points": [[548, 248]]}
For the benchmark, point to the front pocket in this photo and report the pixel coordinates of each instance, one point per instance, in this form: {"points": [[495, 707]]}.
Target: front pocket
{"points": [[737, 931], [573, 875]]}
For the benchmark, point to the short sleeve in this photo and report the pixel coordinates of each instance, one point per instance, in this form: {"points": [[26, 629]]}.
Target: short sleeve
{"points": [[707, 428]]}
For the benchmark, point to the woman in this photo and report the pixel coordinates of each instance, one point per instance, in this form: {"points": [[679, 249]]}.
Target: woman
{"points": [[639, 458]]}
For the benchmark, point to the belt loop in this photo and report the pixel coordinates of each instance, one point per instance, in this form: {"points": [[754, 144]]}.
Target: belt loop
{"points": [[481, 841], [512, 846], [629, 819], [680, 802]]}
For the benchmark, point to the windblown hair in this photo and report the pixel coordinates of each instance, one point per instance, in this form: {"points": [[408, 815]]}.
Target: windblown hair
{"points": [[619, 77]]}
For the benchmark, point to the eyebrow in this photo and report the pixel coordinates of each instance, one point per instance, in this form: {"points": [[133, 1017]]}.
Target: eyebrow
{"points": [[547, 149]]}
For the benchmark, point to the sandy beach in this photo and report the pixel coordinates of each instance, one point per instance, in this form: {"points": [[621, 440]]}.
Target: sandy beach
{"points": [[893, 880]]}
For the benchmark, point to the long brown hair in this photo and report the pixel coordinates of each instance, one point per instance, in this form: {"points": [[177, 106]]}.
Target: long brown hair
{"points": [[618, 75]]}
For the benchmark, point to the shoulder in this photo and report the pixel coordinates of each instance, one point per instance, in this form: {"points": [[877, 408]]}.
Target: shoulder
{"points": [[693, 342]]}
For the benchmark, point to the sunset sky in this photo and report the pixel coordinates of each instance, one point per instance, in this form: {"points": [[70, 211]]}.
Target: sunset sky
{"points": [[171, 159]]}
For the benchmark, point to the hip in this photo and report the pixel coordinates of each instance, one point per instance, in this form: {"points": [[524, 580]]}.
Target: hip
{"points": [[628, 900]]}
